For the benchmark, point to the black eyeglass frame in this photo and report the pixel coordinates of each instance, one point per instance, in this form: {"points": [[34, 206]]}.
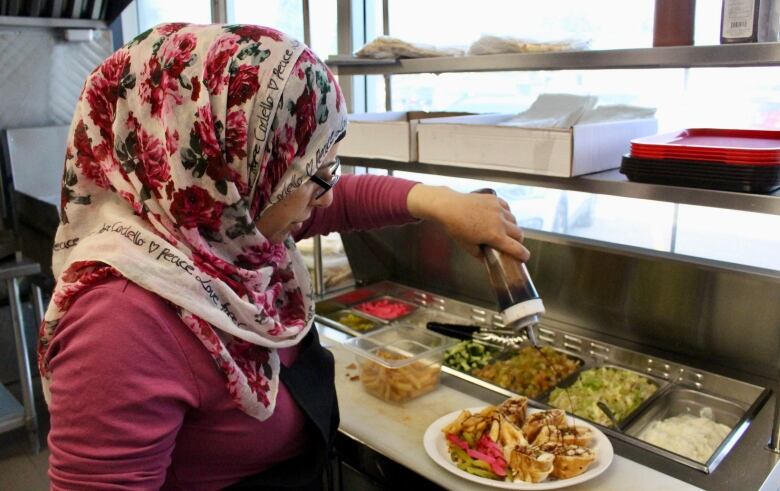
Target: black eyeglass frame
{"points": [[327, 185]]}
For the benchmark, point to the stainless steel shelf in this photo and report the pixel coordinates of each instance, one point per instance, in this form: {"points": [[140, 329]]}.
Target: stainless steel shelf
{"points": [[733, 55], [51, 22], [609, 182]]}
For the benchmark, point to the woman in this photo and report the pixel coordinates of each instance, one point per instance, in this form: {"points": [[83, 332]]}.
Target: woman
{"points": [[178, 349]]}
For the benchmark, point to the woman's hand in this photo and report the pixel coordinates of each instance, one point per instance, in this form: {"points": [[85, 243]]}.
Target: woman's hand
{"points": [[471, 219]]}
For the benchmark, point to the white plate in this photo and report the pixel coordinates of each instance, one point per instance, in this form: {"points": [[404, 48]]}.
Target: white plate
{"points": [[436, 446]]}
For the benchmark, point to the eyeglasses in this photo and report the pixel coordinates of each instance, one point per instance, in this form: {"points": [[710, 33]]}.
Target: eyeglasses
{"points": [[327, 185]]}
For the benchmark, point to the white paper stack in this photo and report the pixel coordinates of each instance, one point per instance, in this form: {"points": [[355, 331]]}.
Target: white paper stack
{"points": [[554, 111]]}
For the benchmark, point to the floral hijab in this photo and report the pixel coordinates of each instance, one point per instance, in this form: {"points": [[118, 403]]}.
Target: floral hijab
{"points": [[178, 143]]}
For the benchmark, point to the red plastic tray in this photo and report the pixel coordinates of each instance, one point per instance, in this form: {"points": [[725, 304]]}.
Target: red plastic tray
{"points": [[705, 158], [730, 146], [764, 156], [705, 151]]}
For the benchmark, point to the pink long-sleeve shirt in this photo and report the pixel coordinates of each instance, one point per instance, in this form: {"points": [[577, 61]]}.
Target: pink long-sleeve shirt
{"points": [[137, 402]]}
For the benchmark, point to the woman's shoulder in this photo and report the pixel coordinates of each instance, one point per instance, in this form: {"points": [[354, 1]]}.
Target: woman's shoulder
{"points": [[110, 288], [118, 318], [124, 300]]}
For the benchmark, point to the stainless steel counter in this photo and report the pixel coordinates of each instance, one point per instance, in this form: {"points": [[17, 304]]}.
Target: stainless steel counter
{"points": [[396, 431], [715, 319], [742, 461]]}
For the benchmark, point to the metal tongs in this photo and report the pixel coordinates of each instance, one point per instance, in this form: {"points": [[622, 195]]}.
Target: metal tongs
{"points": [[610, 415], [502, 338]]}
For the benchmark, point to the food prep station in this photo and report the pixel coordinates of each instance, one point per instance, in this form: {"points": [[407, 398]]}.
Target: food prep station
{"points": [[680, 387]]}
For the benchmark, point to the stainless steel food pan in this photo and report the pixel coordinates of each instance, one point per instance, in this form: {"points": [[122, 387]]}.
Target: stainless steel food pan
{"points": [[659, 383], [680, 400]]}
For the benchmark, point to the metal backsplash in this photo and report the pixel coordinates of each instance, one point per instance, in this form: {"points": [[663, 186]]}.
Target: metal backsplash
{"points": [[708, 314], [41, 74]]}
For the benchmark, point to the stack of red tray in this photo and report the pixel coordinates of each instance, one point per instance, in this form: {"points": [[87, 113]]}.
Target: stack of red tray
{"points": [[726, 159]]}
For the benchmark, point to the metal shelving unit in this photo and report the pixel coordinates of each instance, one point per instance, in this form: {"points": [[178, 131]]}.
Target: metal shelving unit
{"points": [[733, 55], [608, 182]]}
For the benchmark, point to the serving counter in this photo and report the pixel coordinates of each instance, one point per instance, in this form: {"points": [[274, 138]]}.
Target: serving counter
{"points": [[396, 431], [704, 329]]}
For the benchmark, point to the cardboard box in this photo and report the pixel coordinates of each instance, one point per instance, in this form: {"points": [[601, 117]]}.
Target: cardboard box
{"points": [[389, 135], [479, 141]]}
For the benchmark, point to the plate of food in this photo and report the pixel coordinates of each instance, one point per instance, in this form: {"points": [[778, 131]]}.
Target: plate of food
{"points": [[512, 447]]}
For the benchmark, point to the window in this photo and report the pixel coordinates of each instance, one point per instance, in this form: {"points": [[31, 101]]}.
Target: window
{"points": [[287, 16], [284, 15], [723, 235], [729, 235], [629, 221], [745, 97], [606, 23], [324, 34], [153, 12]]}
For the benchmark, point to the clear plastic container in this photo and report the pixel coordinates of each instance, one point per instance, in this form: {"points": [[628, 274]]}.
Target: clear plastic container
{"points": [[399, 363]]}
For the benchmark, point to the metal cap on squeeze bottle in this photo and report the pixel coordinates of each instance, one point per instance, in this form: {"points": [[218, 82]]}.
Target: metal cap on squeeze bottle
{"points": [[520, 304]]}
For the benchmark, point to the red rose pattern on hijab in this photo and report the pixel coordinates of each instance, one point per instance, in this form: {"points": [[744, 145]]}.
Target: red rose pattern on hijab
{"points": [[179, 141]]}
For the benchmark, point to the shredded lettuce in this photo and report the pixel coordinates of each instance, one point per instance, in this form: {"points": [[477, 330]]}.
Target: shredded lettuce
{"points": [[621, 390]]}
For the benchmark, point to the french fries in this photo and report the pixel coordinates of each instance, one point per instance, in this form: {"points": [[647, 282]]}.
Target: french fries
{"points": [[455, 426], [398, 384]]}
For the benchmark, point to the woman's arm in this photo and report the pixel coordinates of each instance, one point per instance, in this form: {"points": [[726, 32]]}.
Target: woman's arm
{"points": [[361, 203], [471, 219], [365, 202]]}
